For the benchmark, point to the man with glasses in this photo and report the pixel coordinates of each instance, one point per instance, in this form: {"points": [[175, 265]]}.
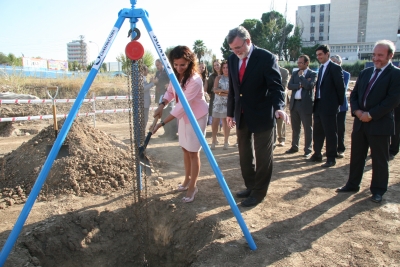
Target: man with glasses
{"points": [[302, 85], [256, 99]]}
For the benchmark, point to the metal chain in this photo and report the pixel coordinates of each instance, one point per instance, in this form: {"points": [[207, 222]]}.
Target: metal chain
{"points": [[137, 139], [132, 150]]}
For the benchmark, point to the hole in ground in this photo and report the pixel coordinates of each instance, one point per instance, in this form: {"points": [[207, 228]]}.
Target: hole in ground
{"points": [[114, 238]]}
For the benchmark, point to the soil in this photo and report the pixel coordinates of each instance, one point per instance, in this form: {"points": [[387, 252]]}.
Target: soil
{"points": [[89, 212]]}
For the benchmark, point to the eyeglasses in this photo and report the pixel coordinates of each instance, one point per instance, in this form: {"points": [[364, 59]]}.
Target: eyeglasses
{"points": [[238, 47], [300, 62]]}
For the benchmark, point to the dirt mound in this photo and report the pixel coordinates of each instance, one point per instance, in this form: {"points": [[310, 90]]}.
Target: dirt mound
{"points": [[6, 129], [97, 164]]}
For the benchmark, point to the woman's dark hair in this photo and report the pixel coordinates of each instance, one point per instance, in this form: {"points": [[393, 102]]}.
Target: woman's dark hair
{"points": [[224, 62], [184, 52], [204, 74]]}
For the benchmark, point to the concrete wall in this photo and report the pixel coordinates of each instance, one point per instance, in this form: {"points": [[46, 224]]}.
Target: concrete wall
{"points": [[382, 18], [344, 21]]}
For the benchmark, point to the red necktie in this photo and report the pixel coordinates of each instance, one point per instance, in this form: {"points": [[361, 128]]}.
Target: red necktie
{"points": [[371, 82], [242, 69]]}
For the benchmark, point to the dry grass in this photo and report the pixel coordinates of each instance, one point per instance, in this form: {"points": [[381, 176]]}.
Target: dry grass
{"points": [[68, 87]]}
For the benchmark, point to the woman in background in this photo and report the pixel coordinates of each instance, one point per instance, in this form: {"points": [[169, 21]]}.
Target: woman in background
{"points": [[204, 74], [221, 89], [210, 86], [184, 63]]}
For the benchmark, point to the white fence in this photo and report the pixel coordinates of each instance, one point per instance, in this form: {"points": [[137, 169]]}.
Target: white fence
{"points": [[43, 101]]}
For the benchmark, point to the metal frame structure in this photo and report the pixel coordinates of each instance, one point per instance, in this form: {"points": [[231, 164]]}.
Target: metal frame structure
{"points": [[133, 14]]}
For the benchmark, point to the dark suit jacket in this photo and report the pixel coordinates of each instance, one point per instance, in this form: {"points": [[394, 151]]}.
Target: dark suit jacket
{"points": [[307, 92], [260, 93], [346, 79], [381, 100], [332, 89]]}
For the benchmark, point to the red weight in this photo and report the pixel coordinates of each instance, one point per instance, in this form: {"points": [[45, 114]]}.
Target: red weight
{"points": [[134, 50]]}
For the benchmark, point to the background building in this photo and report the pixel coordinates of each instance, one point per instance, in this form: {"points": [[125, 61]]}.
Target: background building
{"points": [[314, 23], [77, 50], [351, 27]]}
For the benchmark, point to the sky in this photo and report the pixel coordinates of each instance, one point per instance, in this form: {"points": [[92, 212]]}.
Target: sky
{"points": [[44, 27]]}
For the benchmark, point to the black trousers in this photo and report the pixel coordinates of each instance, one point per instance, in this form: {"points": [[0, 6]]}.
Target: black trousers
{"points": [[325, 127], [257, 180], [341, 129], [395, 139], [379, 144]]}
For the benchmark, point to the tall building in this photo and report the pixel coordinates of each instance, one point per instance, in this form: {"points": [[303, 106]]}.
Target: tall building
{"points": [[78, 51], [314, 23], [353, 26]]}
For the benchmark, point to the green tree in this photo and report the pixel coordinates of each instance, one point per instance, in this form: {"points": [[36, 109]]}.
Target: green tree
{"points": [[89, 66], [294, 44], [3, 58], [11, 58], [168, 50], [276, 30], [199, 49], [310, 51], [104, 67], [125, 62], [271, 32], [74, 66], [148, 59], [225, 50], [257, 32]]}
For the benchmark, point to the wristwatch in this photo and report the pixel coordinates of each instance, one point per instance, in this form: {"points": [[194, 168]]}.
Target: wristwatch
{"points": [[163, 102], [162, 123]]}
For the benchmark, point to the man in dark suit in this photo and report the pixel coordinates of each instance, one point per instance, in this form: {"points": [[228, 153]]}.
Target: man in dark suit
{"points": [[375, 95], [302, 85], [341, 116], [329, 95], [256, 98]]}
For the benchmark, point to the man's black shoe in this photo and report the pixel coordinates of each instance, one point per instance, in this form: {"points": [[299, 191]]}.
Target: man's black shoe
{"points": [[376, 198], [291, 151], [315, 158], [346, 189], [243, 194], [250, 202], [328, 164]]}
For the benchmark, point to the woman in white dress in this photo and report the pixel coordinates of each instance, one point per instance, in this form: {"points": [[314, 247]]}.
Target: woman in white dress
{"points": [[221, 89], [185, 67]]}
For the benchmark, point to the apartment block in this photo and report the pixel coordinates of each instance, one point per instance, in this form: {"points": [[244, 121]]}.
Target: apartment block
{"points": [[351, 27]]}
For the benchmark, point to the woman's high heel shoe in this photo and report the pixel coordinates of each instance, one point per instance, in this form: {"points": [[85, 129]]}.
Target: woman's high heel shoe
{"points": [[190, 199], [182, 188]]}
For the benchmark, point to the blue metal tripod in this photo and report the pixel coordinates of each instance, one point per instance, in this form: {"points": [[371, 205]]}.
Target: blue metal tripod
{"points": [[133, 14]]}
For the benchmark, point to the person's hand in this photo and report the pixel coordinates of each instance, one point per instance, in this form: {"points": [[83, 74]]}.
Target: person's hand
{"points": [[301, 72], [364, 117], [231, 123], [158, 112], [280, 114], [155, 80], [156, 127]]}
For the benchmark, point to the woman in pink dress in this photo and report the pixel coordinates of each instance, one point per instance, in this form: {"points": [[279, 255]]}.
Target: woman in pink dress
{"points": [[185, 67]]}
